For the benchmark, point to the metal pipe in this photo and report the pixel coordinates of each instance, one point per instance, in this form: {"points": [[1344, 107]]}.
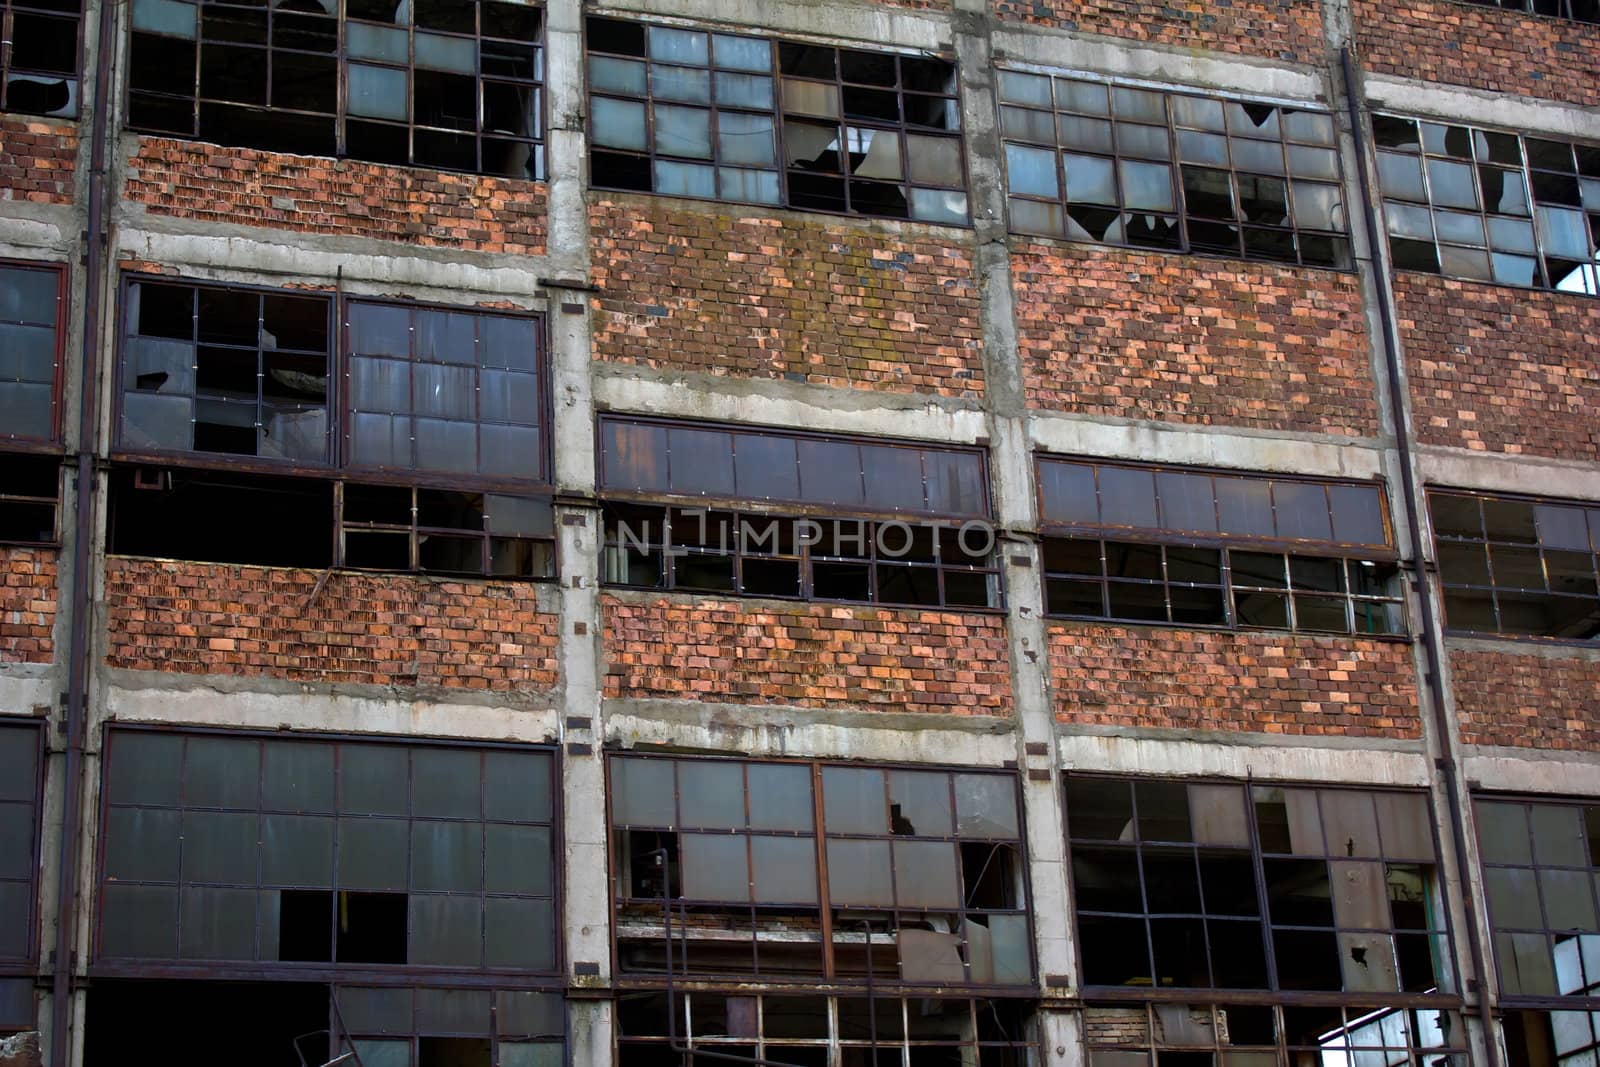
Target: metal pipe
{"points": [[1431, 638], [81, 599]]}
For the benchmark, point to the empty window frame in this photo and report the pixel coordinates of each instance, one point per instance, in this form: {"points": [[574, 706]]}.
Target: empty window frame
{"points": [[815, 1031], [30, 489], [1517, 567], [1180, 1034], [1195, 548], [1490, 205], [748, 119], [39, 63], [448, 84], [1115, 164], [32, 316], [916, 878], [1577, 10], [1187, 885], [21, 789], [424, 1027], [234, 851]]}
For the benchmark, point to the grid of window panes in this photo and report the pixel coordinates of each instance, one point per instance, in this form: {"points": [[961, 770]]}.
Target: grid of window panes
{"points": [[39, 63], [1577, 10], [918, 873], [1517, 568], [817, 1030], [747, 119], [1490, 205], [20, 761], [345, 854], [438, 531], [1116, 164], [1188, 885], [1248, 1035], [449, 84], [30, 345], [416, 1027]]}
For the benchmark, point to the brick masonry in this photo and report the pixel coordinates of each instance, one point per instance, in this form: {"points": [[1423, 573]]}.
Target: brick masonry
{"points": [[28, 593], [1106, 331], [309, 194], [830, 656], [1481, 47], [1526, 701], [1276, 29], [1211, 680], [869, 305], [37, 159], [1498, 369], [396, 630]]}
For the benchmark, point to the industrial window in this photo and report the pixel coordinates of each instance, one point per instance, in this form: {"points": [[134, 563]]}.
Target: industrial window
{"points": [[21, 760], [332, 856], [449, 402], [1193, 548], [815, 1031], [39, 63], [448, 84], [780, 514], [1490, 205], [1227, 887], [752, 120], [32, 302], [1115, 164], [1540, 865], [1515, 567], [786, 871], [1577, 10]]}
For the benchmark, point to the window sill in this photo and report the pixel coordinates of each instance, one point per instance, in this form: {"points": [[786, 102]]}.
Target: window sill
{"points": [[1242, 631]]}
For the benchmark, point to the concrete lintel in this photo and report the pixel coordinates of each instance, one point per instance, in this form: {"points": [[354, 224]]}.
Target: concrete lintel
{"points": [[1216, 446], [1529, 648], [26, 230], [21, 692], [1213, 753], [1457, 104], [1060, 50], [1532, 771], [975, 740], [770, 403], [882, 27], [1495, 471]]}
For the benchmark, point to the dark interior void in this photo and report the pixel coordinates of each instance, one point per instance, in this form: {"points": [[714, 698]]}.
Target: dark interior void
{"points": [[1550, 1038], [257, 1023], [28, 490], [221, 518]]}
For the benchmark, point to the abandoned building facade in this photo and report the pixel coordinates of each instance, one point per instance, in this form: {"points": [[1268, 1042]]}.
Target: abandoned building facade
{"points": [[842, 533]]}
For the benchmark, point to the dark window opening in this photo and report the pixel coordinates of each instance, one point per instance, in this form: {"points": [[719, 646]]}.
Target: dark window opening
{"points": [[171, 513], [283, 1017], [39, 64], [1576, 10], [29, 495]]}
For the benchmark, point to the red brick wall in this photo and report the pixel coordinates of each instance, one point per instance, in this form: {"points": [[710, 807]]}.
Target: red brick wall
{"points": [[1499, 369], [27, 604], [1211, 680], [1481, 47], [751, 295], [206, 618], [36, 159], [1110, 331], [311, 194], [1530, 701], [805, 655], [1277, 29]]}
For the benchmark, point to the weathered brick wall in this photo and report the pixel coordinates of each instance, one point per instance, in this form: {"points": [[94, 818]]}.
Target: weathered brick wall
{"points": [[27, 604], [1481, 47], [37, 157], [1277, 29], [1212, 680], [207, 618], [311, 194], [1501, 370], [805, 655], [739, 292], [1529, 701], [1109, 331]]}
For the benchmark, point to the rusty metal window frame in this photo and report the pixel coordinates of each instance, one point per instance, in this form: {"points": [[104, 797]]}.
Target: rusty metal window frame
{"points": [[21, 800], [177, 101], [173, 887], [1056, 112], [633, 840], [13, 374], [1242, 839], [389, 1025], [1549, 186], [1521, 875], [1469, 574], [507, 545], [718, 174], [25, 61], [1569, 10]]}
